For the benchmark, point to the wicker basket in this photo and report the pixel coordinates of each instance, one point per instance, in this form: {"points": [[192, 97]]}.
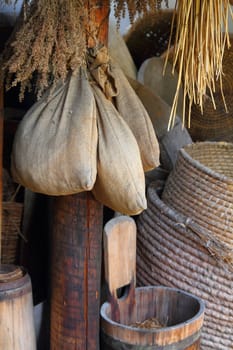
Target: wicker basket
{"points": [[215, 124], [201, 187], [11, 221], [149, 36], [11, 226], [171, 253]]}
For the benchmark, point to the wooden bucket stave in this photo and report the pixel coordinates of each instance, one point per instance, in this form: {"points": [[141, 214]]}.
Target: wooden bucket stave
{"points": [[17, 330], [126, 319], [182, 313]]}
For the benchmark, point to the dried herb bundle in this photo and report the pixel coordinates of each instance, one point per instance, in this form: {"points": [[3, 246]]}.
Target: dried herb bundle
{"points": [[50, 40], [198, 51], [135, 7]]}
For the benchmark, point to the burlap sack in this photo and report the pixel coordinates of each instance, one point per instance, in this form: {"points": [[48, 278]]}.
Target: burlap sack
{"points": [[119, 51], [55, 146], [134, 113], [120, 182]]}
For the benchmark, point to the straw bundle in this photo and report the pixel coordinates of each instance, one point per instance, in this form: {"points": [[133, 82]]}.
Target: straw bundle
{"points": [[215, 124], [198, 50], [201, 187], [171, 252]]}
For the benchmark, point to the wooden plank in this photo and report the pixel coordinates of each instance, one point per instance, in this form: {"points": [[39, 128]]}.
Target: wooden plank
{"points": [[120, 252], [75, 272], [1, 161], [120, 266]]}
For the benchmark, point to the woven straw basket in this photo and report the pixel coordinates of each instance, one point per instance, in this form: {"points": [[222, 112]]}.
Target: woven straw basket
{"points": [[216, 124], [11, 221], [11, 225], [171, 253], [201, 187], [149, 36]]}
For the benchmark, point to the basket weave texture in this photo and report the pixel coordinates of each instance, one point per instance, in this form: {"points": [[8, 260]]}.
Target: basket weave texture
{"points": [[201, 187], [11, 222], [170, 253], [149, 36], [215, 124]]}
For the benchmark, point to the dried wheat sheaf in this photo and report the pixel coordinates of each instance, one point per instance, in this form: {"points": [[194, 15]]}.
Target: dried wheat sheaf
{"points": [[48, 41]]}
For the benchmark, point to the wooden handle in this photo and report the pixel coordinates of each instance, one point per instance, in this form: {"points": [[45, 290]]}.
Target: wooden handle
{"points": [[119, 252], [120, 264]]}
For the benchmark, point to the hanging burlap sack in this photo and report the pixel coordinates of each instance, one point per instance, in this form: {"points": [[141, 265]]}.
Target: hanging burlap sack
{"points": [[100, 71], [118, 50], [134, 113], [55, 146], [120, 182]]}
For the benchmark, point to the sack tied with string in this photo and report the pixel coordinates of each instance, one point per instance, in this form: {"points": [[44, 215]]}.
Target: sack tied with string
{"points": [[135, 115], [120, 182], [55, 146], [114, 84]]}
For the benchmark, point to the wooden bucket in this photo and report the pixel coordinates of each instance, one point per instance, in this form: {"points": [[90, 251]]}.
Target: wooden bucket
{"points": [[16, 310], [180, 315]]}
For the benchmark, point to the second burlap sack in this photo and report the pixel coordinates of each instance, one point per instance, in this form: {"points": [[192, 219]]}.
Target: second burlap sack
{"points": [[120, 182]]}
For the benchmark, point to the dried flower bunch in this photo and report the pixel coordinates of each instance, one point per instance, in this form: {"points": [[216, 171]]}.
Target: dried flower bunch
{"points": [[135, 7], [51, 39], [48, 41]]}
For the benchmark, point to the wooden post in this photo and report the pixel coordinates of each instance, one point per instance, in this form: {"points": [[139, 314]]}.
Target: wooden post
{"points": [[99, 16], [1, 164], [75, 275], [77, 227]]}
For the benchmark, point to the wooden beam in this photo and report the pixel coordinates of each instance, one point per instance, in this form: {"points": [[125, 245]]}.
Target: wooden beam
{"points": [[99, 17], [76, 272], [1, 162], [76, 262]]}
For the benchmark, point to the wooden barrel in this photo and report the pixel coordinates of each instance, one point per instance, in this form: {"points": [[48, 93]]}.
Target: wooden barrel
{"points": [[179, 314], [17, 330]]}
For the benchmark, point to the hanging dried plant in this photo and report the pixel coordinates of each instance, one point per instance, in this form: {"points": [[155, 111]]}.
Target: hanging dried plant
{"points": [[135, 7], [51, 39], [201, 38], [48, 42]]}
